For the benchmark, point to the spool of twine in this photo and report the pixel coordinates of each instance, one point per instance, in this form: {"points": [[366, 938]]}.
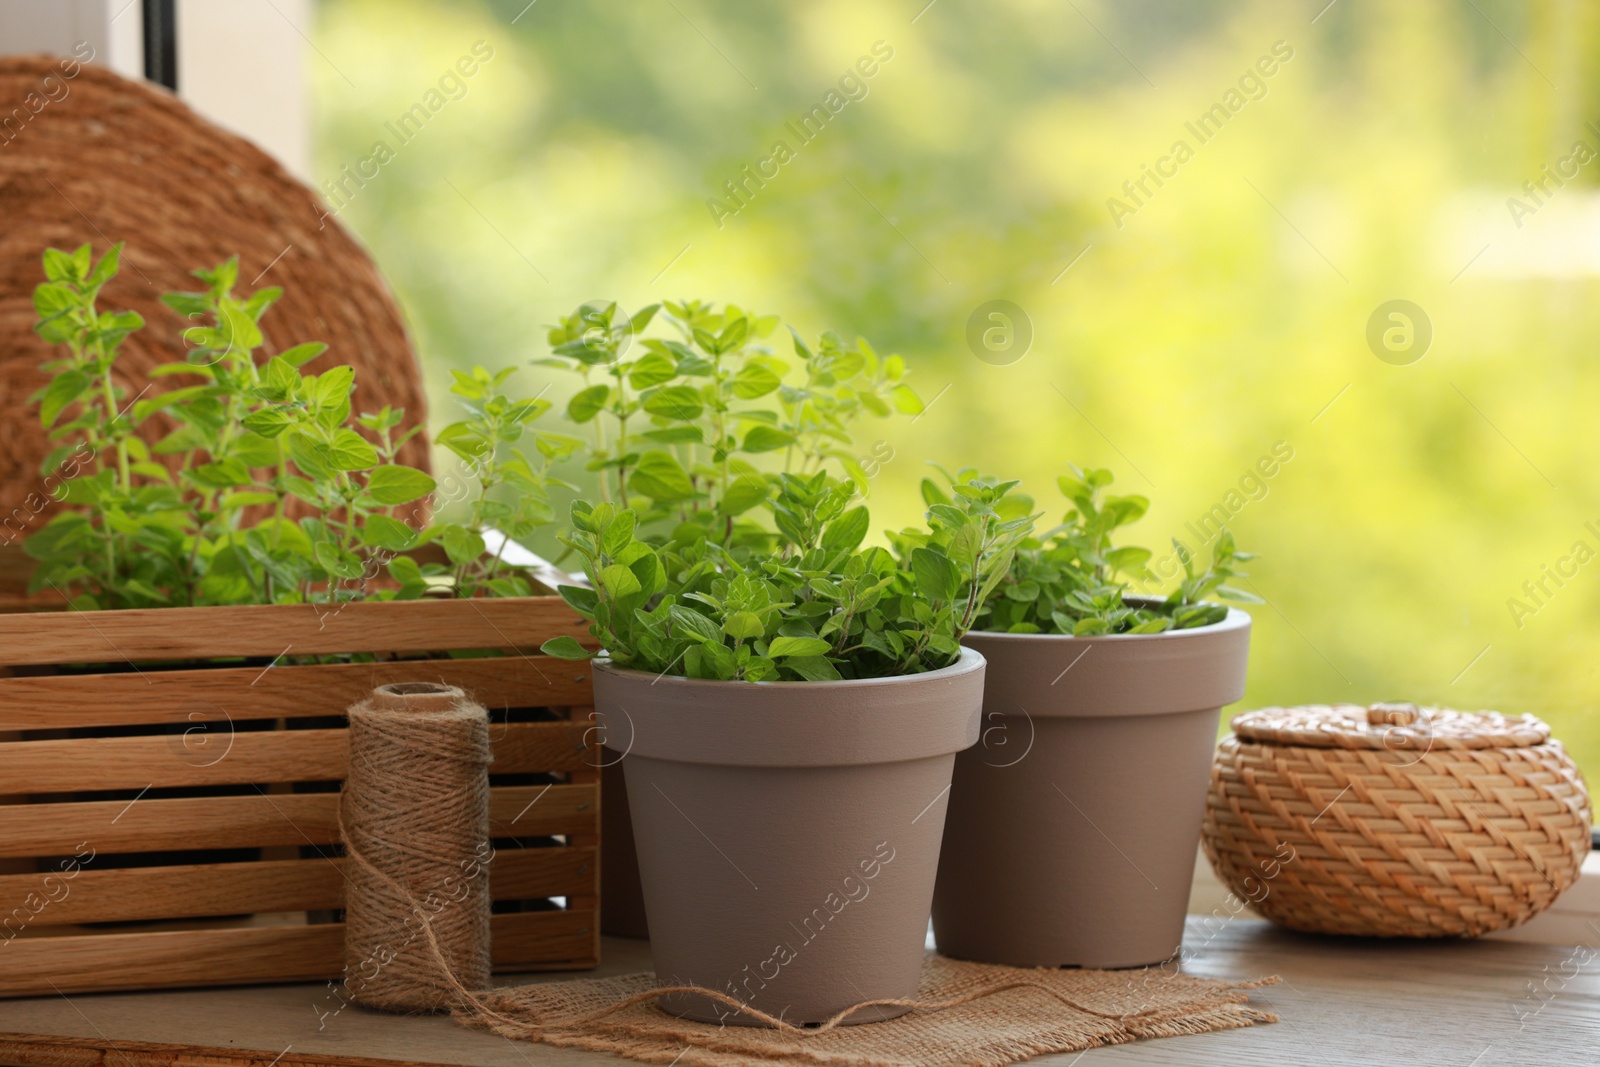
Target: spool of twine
{"points": [[414, 815]]}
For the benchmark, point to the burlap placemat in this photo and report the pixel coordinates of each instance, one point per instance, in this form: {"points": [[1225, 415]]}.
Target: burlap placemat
{"points": [[968, 1015]]}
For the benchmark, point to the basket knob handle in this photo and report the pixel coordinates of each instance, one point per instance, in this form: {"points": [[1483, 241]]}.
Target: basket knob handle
{"points": [[1392, 714]]}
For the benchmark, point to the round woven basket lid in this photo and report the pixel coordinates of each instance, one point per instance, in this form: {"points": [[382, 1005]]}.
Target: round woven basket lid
{"points": [[98, 158], [1391, 727]]}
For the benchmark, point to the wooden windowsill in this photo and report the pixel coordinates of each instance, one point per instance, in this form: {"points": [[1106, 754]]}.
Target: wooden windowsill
{"points": [[1342, 1001]]}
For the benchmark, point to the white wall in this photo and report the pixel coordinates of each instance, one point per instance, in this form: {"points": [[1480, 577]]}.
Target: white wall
{"points": [[241, 64], [113, 27]]}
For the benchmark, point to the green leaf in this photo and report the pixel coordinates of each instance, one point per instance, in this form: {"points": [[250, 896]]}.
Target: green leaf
{"points": [[307, 453], [223, 474], [932, 494], [565, 647], [754, 380], [846, 532], [744, 493], [300, 355], [269, 422], [1125, 509], [675, 435], [167, 370], [461, 544], [334, 386], [280, 379], [234, 501], [143, 409], [743, 625], [337, 561], [1073, 487], [681, 402], [695, 625], [104, 270], [465, 441], [797, 646], [618, 581], [873, 403], [659, 476], [405, 570], [395, 484], [581, 600], [588, 403], [906, 400], [618, 534], [59, 266], [64, 389], [653, 368], [1128, 558], [189, 305], [813, 668], [380, 531], [710, 661], [50, 300], [937, 578], [349, 451], [734, 333], [767, 439]]}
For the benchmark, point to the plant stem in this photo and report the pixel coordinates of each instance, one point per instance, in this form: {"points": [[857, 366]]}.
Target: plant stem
{"points": [[622, 435]]}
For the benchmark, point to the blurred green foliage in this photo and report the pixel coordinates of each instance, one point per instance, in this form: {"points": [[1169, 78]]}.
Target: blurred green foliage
{"points": [[1221, 328]]}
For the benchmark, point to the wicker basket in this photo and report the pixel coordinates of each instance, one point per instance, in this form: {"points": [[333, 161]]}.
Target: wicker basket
{"points": [[1394, 820]]}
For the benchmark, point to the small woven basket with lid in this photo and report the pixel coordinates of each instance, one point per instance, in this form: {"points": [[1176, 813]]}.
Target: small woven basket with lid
{"points": [[1395, 820]]}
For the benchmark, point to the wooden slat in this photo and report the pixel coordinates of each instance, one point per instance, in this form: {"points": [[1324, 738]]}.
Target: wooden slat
{"points": [[197, 890], [145, 635], [146, 825], [212, 755], [205, 756], [532, 873], [545, 940], [237, 693], [173, 959], [530, 747], [539, 810]]}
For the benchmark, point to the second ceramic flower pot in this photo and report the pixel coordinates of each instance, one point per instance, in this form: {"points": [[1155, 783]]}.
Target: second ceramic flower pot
{"points": [[1074, 824], [788, 833]]}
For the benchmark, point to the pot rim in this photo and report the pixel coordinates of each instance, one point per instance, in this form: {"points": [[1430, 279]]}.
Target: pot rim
{"points": [[1236, 619], [968, 661]]}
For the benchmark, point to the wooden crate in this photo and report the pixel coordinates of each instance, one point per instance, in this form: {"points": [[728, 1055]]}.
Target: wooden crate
{"points": [[168, 786]]}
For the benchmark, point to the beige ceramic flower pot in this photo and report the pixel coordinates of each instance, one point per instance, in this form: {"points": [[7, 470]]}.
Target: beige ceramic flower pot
{"points": [[788, 832], [1074, 824]]}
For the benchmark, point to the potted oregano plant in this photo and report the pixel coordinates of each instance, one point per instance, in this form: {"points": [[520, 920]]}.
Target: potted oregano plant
{"points": [[794, 712], [692, 415], [1073, 828]]}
